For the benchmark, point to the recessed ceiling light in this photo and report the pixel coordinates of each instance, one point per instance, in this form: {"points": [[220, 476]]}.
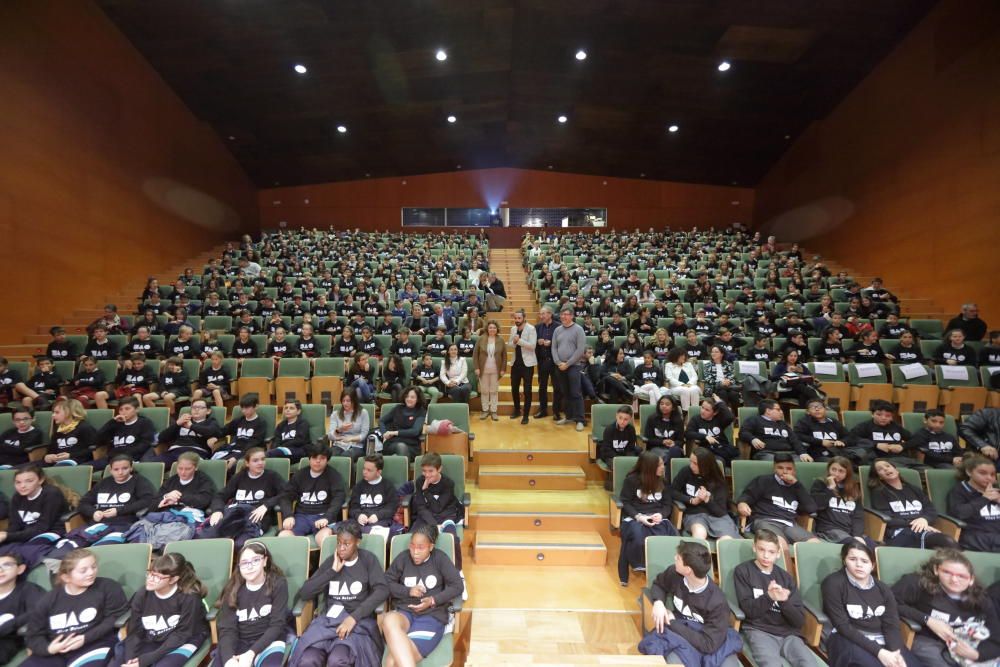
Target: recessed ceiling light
{"points": [[232, 138], [581, 55], [673, 128], [301, 69], [735, 202], [642, 175], [788, 136], [452, 119], [562, 119], [458, 166], [550, 166], [724, 66], [441, 55], [342, 129]]}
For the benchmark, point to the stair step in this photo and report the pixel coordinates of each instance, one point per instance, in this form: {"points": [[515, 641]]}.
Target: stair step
{"points": [[560, 659], [494, 547], [537, 457], [560, 478], [538, 521]]}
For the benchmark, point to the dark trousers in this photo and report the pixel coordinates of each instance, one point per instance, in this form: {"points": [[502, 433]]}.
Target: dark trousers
{"points": [[570, 386], [521, 375], [845, 653], [546, 373]]}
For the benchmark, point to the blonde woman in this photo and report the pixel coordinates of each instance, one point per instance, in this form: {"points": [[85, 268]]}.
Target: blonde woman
{"points": [[490, 361]]}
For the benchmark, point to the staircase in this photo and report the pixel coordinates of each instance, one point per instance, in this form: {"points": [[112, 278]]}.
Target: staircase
{"points": [[507, 265], [125, 297]]}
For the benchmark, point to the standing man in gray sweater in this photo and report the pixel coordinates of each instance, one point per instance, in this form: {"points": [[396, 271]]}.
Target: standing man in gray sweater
{"points": [[568, 345]]}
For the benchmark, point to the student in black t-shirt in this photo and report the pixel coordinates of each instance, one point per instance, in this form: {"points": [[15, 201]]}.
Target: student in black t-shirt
{"points": [[128, 433], [291, 435], [909, 510], [118, 497], [954, 351], [863, 615], [174, 385], [956, 618], [317, 493], [243, 509], [244, 346], [60, 349], [214, 381], [17, 596], [434, 501], [422, 582], [21, 438], [46, 383], [77, 617], [252, 622], [352, 585], [646, 508], [907, 350], [36, 512], [989, 354], [772, 605], [135, 378], [167, 621], [243, 432], [12, 386], [374, 498], [940, 448], [839, 516], [976, 500], [702, 488], [89, 384], [72, 440]]}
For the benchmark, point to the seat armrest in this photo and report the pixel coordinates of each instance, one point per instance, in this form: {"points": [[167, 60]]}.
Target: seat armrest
{"points": [[466, 499], [122, 620], [735, 610], [406, 500]]}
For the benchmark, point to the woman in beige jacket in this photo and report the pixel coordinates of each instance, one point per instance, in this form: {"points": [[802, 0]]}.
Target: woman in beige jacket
{"points": [[489, 358]]}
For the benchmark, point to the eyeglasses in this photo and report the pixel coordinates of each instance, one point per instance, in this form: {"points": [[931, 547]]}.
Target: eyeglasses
{"points": [[22, 419], [7, 566], [156, 576], [251, 562], [961, 576]]}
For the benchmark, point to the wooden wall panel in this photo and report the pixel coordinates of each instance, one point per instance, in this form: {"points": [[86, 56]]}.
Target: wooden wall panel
{"points": [[104, 173], [901, 179]]}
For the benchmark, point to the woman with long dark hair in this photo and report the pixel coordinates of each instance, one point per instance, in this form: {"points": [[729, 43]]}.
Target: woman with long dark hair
{"points": [[702, 488], [909, 509], [646, 510], [838, 496]]}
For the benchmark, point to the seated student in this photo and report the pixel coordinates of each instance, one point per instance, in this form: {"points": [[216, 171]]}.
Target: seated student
{"points": [[167, 621], [318, 492], [826, 437], [989, 354], [254, 608], [116, 499], [438, 344], [892, 329], [909, 510], [867, 350], [195, 431], [708, 427], [72, 440], [775, 501], [393, 378], [958, 624], [374, 498], [619, 438], [214, 381], [864, 616], [682, 378], [615, 377], [308, 344], [183, 345], [101, 347], [647, 379], [839, 515], [976, 500], [36, 512], [422, 582], [883, 438], [695, 630], [981, 431], [174, 385], [46, 383], [954, 351], [760, 350], [768, 434], [454, 378], [831, 348], [291, 435], [349, 426], [21, 438], [400, 428], [940, 448], [703, 489], [664, 430], [243, 432], [60, 349], [772, 605], [187, 489], [147, 318], [278, 346], [793, 377], [128, 433], [244, 346], [345, 631], [143, 342], [17, 597], [907, 350], [88, 385], [243, 508], [434, 502], [74, 623], [427, 378], [344, 345], [646, 507], [360, 377]]}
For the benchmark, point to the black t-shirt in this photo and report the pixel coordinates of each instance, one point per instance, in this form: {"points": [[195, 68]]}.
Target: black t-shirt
{"points": [[92, 613], [128, 498], [257, 621], [357, 590], [14, 608], [438, 576], [63, 351], [14, 445], [169, 622]]}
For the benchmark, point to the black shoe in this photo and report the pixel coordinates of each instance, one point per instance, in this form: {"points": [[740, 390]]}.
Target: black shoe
{"points": [[524, 419], [541, 414], [515, 414], [556, 416]]}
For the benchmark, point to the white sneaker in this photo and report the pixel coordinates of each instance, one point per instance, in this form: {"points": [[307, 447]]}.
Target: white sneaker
{"points": [[465, 589], [484, 416], [562, 422]]}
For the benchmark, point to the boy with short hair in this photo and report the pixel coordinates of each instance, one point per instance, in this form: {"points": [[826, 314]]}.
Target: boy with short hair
{"points": [[88, 384], [128, 433], [772, 606], [434, 502], [318, 492], [696, 626], [619, 438], [59, 348], [246, 431], [774, 501], [46, 383], [12, 386], [883, 438], [174, 385], [940, 448], [214, 380], [136, 379], [21, 438]]}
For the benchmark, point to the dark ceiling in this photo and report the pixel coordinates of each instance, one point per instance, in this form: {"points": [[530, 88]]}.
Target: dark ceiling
{"points": [[510, 73]]}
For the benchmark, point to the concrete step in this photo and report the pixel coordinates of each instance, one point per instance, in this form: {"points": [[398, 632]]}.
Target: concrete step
{"points": [[543, 457], [510, 520], [539, 548], [20, 352], [532, 477], [483, 659]]}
